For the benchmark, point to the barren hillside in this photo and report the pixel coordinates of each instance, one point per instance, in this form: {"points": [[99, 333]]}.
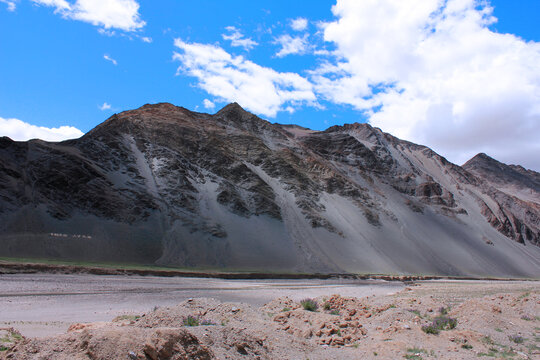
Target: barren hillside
{"points": [[164, 185]]}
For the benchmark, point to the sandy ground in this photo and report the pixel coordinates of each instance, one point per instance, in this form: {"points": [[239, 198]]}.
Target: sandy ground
{"points": [[421, 320], [40, 305]]}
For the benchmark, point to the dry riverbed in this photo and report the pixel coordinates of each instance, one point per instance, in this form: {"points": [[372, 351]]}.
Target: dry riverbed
{"points": [[40, 305], [266, 320]]}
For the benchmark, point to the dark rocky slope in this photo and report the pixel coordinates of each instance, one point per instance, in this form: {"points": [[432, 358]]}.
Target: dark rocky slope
{"points": [[517, 192], [165, 185], [512, 179]]}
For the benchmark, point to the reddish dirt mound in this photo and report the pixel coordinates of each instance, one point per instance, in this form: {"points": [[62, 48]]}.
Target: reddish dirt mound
{"points": [[115, 342]]}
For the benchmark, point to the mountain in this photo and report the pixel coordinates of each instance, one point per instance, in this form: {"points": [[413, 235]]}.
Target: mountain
{"points": [[165, 185], [514, 180]]}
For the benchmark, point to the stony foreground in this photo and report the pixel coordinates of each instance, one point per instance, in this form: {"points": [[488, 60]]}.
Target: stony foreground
{"points": [[492, 319]]}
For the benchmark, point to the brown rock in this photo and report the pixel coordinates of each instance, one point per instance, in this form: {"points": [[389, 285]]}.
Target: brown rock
{"points": [[307, 333]]}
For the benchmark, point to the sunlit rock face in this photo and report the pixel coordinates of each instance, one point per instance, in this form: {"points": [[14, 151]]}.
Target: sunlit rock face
{"points": [[164, 185]]}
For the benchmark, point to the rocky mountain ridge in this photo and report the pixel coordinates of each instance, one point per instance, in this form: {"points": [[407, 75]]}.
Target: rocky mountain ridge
{"points": [[165, 185], [515, 180]]}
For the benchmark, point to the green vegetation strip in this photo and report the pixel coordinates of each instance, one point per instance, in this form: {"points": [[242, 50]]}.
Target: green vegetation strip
{"points": [[27, 265]]}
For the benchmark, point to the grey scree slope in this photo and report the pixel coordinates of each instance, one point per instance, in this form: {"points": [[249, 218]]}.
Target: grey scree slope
{"points": [[164, 185]]}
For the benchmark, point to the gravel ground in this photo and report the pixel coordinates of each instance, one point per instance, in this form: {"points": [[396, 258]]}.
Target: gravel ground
{"points": [[40, 305], [466, 320]]}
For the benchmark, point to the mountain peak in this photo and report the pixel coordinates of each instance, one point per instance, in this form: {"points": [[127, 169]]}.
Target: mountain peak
{"points": [[505, 177], [158, 105], [346, 127], [233, 113], [480, 157], [233, 107], [484, 162]]}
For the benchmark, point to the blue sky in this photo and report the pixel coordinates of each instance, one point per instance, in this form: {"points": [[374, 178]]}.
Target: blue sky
{"points": [[461, 76]]}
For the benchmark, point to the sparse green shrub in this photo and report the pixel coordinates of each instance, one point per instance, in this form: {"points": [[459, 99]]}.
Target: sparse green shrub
{"points": [[309, 304], [334, 312], [443, 310], [439, 323], [430, 329], [191, 321], [127, 317], [517, 339], [527, 318], [466, 346], [445, 322], [326, 306], [196, 321], [285, 309], [505, 354], [7, 341], [412, 356], [487, 340]]}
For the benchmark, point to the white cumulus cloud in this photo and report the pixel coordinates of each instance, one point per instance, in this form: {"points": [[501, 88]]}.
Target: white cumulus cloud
{"points": [[208, 104], [111, 14], [108, 58], [237, 38], [292, 45], [232, 78], [21, 131], [433, 72], [299, 24], [105, 106], [11, 4]]}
